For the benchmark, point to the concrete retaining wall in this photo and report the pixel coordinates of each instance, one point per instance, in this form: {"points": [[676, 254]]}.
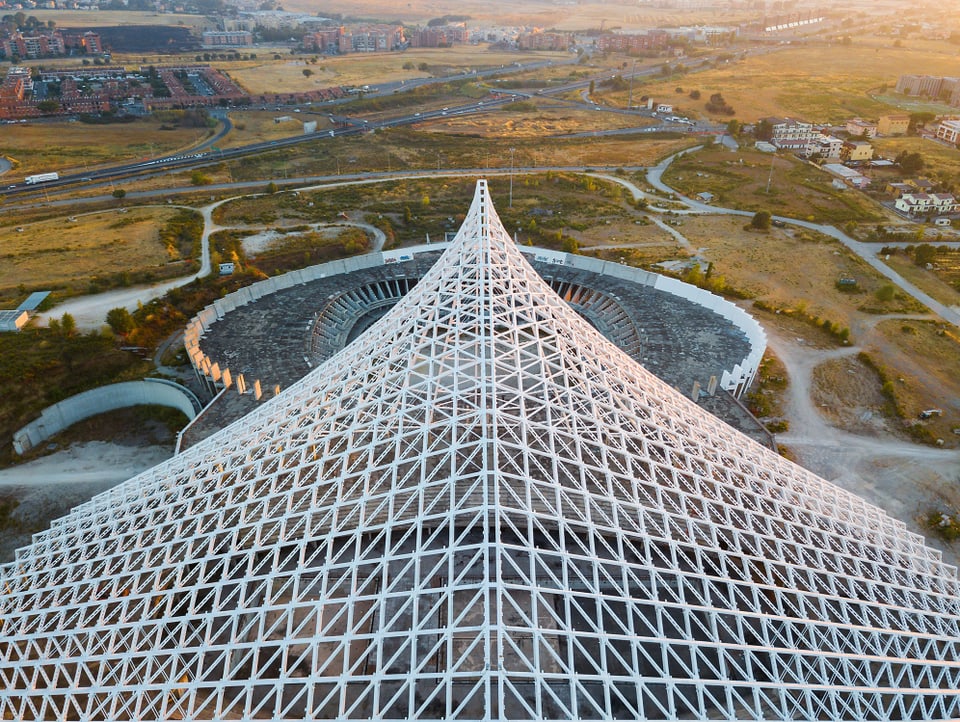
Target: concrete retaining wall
{"points": [[58, 417]]}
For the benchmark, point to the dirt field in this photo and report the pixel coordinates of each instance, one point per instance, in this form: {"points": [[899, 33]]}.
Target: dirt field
{"points": [[57, 252], [407, 149], [76, 147], [848, 393], [818, 83]]}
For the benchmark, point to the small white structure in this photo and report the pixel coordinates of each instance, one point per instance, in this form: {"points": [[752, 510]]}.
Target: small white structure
{"points": [[13, 320], [850, 176], [227, 268], [664, 108]]}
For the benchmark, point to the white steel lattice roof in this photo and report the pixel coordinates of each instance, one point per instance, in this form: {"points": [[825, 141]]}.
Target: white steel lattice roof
{"points": [[480, 509]]}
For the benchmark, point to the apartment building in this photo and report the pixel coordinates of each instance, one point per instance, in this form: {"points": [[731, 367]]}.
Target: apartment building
{"points": [[894, 124], [949, 130]]}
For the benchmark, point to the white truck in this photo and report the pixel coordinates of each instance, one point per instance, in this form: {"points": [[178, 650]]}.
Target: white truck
{"points": [[41, 178]]}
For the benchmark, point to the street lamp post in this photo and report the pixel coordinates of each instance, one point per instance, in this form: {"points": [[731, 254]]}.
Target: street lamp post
{"points": [[511, 176]]}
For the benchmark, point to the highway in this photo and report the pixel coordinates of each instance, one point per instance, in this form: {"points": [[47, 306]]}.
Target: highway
{"points": [[206, 152]]}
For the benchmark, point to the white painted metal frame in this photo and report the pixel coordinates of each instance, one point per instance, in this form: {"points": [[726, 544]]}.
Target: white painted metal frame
{"points": [[481, 509]]}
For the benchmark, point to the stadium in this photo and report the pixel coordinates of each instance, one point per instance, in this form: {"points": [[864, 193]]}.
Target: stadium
{"points": [[480, 508]]}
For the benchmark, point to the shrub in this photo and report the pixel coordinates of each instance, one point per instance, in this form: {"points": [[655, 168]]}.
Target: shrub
{"points": [[886, 292], [761, 221]]}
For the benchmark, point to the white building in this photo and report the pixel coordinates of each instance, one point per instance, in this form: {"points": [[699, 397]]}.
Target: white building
{"points": [[923, 204], [949, 130], [791, 134], [825, 147], [480, 509], [859, 127]]}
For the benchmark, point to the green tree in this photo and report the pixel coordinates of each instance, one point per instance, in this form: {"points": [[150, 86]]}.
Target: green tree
{"points": [[886, 292], [924, 254], [307, 72], [272, 188], [910, 163], [761, 221], [733, 127], [763, 130], [121, 321], [68, 325], [570, 245], [119, 194], [199, 178]]}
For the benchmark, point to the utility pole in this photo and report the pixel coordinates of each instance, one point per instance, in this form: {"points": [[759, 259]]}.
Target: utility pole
{"points": [[770, 177], [511, 176], [630, 98]]}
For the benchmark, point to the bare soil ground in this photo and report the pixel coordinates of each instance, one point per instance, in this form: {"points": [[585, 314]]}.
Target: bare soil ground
{"points": [[85, 18], [847, 393], [546, 121]]}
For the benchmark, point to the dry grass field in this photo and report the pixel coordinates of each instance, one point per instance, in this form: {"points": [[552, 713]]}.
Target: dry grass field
{"points": [[796, 189], [402, 149], [548, 120], [929, 282], [557, 14], [816, 82], [269, 75], [788, 268], [100, 18], [257, 126], [59, 252], [940, 161], [922, 360], [76, 147]]}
